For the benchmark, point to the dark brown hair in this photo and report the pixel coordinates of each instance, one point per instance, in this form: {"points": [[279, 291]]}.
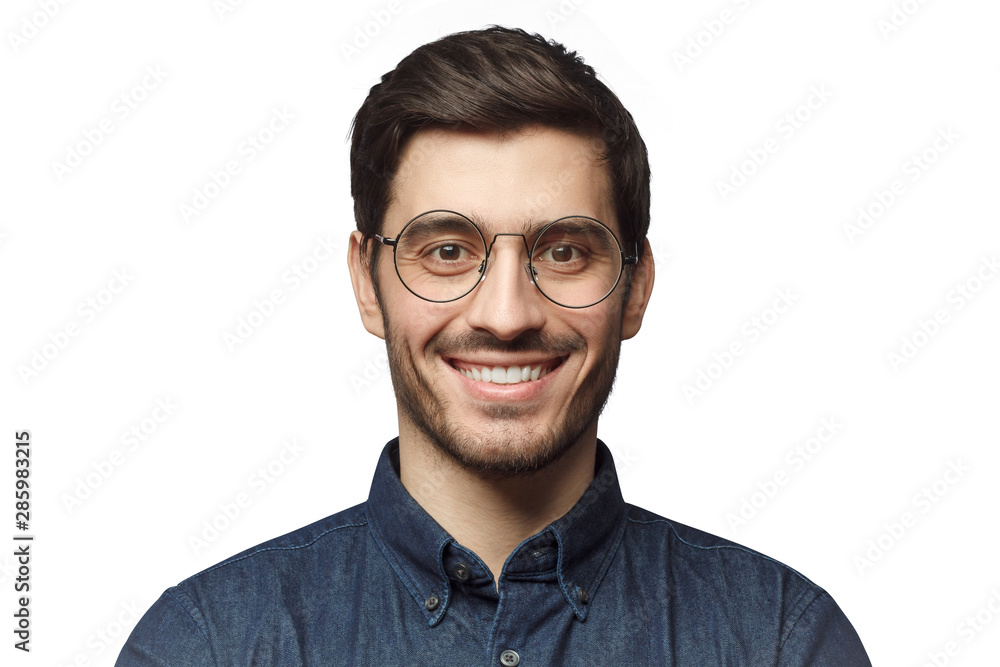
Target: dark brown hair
{"points": [[496, 79]]}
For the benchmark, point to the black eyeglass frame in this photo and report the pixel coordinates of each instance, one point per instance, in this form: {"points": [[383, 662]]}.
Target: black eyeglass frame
{"points": [[627, 260]]}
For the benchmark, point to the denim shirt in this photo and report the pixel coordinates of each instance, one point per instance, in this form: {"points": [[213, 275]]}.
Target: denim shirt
{"points": [[383, 584]]}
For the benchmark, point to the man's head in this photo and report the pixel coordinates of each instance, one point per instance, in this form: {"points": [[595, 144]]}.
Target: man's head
{"points": [[512, 132]]}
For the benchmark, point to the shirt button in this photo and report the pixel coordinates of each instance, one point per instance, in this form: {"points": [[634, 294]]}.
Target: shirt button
{"points": [[509, 658], [582, 594], [432, 602], [461, 571]]}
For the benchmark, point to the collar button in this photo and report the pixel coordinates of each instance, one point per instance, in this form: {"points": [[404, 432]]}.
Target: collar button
{"points": [[461, 571], [583, 595], [432, 602]]}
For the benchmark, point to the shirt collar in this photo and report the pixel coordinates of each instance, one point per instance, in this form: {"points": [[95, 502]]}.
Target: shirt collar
{"points": [[580, 544]]}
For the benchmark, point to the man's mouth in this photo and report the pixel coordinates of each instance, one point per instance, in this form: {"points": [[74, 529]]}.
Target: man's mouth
{"points": [[505, 374]]}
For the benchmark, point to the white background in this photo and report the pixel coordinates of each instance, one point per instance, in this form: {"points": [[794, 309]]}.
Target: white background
{"points": [[301, 374]]}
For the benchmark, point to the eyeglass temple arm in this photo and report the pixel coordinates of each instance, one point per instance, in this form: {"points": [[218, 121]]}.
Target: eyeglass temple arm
{"points": [[385, 241], [633, 258]]}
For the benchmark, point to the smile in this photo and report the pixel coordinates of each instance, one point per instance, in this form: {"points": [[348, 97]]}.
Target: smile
{"points": [[505, 374]]}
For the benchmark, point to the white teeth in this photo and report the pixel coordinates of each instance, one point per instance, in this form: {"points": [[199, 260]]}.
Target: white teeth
{"points": [[505, 375]]}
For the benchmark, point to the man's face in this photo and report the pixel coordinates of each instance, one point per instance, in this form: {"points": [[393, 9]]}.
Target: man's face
{"points": [[510, 184]]}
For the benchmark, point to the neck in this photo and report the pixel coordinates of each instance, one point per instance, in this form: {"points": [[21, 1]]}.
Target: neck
{"points": [[492, 516]]}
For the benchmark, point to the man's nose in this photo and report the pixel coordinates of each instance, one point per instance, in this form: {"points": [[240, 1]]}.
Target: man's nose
{"points": [[506, 303]]}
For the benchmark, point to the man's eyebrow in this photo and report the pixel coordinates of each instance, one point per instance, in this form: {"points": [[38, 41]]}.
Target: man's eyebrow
{"points": [[527, 227], [441, 220]]}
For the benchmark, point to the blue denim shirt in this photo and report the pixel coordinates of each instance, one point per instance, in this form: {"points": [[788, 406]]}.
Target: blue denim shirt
{"points": [[383, 584]]}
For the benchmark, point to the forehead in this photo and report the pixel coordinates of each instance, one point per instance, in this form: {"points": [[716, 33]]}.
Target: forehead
{"points": [[505, 182]]}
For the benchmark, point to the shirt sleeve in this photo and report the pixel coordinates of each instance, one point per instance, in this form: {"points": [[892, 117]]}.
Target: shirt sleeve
{"points": [[168, 634], [823, 637]]}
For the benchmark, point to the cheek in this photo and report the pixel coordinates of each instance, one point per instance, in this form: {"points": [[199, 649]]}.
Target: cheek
{"points": [[602, 333], [415, 321], [601, 324]]}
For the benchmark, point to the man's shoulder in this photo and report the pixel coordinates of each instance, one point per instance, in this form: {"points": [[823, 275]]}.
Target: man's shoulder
{"points": [[254, 590], [291, 552], [739, 592], [692, 537], [716, 560]]}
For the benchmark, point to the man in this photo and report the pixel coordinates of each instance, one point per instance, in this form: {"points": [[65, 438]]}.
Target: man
{"points": [[502, 202]]}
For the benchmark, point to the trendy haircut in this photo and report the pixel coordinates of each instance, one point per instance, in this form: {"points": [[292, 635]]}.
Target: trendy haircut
{"points": [[502, 80]]}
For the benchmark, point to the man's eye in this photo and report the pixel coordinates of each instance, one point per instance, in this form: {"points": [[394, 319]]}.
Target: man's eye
{"points": [[448, 252], [563, 253]]}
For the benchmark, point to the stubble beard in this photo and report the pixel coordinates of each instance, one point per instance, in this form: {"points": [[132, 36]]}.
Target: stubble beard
{"points": [[508, 448]]}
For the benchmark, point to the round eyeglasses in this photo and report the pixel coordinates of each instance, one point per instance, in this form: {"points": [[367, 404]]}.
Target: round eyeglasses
{"points": [[575, 261]]}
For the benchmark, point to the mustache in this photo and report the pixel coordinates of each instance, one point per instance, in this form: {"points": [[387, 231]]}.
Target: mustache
{"points": [[529, 341]]}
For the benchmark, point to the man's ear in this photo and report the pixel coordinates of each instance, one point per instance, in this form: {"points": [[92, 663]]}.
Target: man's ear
{"points": [[364, 290], [642, 287]]}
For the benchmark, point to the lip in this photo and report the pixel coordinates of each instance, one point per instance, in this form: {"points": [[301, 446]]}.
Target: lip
{"points": [[492, 392]]}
